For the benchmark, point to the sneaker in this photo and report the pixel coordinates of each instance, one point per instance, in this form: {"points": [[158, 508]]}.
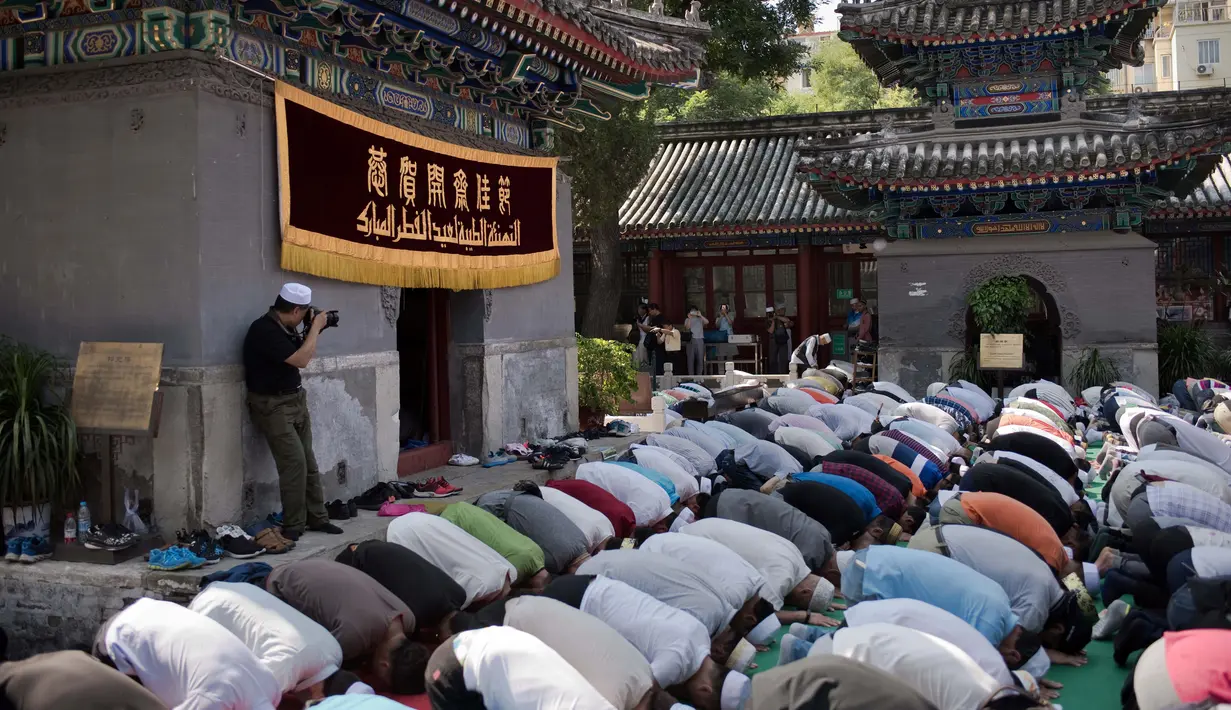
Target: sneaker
{"points": [[174, 558], [12, 551], [200, 544], [241, 548], [338, 510], [496, 459], [327, 528], [374, 497], [463, 460], [352, 508], [435, 488], [108, 537], [35, 549], [231, 530]]}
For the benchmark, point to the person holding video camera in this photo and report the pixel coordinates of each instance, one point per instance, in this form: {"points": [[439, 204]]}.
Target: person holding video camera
{"points": [[275, 350]]}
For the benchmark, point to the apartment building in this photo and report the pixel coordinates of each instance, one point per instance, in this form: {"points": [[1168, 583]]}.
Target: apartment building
{"points": [[801, 81], [1183, 50]]}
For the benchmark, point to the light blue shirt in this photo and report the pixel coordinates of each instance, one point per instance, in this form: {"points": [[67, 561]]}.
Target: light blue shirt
{"points": [[660, 479], [891, 572]]}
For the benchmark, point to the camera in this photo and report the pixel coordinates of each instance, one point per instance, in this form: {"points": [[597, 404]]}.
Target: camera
{"points": [[331, 318]]}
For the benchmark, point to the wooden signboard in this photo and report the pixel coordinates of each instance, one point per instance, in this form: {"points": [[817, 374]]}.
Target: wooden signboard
{"points": [[114, 386], [1001, 352]]}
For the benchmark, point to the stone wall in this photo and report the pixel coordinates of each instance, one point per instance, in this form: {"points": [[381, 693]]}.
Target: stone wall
{"points": [[1103, 285]]}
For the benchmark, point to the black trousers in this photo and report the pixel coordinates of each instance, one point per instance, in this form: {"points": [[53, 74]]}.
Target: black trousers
{"points": [[446, 684]]}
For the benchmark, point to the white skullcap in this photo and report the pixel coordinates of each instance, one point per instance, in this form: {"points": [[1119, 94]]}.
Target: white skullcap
{"points": [[821, 596], [1090, 577], [935, 388], [360, 689], [854, 301], [707, 486], [297, 294], [683, 519], [741, 657], [844, 559], [825, 339], [769, 309], [764, 631], [1026, 681], [735, 690]]}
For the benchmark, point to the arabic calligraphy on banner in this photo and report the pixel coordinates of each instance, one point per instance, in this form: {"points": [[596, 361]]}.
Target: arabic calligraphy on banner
{"points": [[369, 202]]}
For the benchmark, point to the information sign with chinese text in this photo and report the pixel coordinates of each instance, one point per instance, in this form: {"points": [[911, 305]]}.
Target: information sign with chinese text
{"points": [[1001, 352], [114, 385]]}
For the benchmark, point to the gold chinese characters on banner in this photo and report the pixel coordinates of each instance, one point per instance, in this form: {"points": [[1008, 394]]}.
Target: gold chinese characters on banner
{"points": [[368, 202]]}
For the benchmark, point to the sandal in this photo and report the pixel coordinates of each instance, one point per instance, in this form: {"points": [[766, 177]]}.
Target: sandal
{"points": [[273, 542]]}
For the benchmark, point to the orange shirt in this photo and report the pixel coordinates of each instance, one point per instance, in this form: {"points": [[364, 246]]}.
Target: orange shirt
{"points": [[1018, 521], [916, 485], [1021, 420]]}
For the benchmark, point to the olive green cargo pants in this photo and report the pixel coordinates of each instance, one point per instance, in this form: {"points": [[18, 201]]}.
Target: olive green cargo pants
{"points": [[287, 426]]}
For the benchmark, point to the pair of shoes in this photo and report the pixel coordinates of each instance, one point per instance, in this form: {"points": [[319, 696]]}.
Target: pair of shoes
{"points": [[551, 460], [328, 528], [436, 487], [338, 510], [109, 536], [274, 541], [463, 460], [35, 549], [199, 543], [176, 557], [237, 543], [15, 538], [496, 458]]}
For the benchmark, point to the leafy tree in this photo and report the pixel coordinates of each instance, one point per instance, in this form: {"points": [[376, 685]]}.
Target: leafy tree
{"points": [[727, 97], [842, 82]]}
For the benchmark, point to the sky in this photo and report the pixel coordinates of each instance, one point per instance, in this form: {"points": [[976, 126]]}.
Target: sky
{"points": [[826, 18]]}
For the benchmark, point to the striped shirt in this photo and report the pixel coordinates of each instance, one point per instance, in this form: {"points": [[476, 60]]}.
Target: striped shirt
{"points": [[917, 446], [887, 497], [1170, 499], [954, 409]]}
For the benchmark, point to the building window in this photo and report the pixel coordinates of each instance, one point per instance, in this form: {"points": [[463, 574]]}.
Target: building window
{"points": [[754, 291], [724, 291], [1143, 75], [694, 287], [1165, 65], [1207, 51], [1201, 11], [1184, 283], [784, 288], [806, 79]]}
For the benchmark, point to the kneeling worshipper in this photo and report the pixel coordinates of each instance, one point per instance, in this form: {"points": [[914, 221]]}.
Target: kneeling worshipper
{"points": [[676, 645], [811, 423], [701, 460], [1051, 454], [479, 569], [941, 672], [840, 514], [847, 421], [741, 583], [1063, 618], [189, 661], [1124, 482], [670, 464], [900, 482], [521, 552], [430, 594], [300, 653], [71, 679], [923, 473], [889, 500], [788, 579], [779, 517], [501, 667], [1018, 521], [649, 502], [787, 400], [611, 664], [593, 524], [933, 435], [681, 584], [1023, 486], [621, 517], [710, 442], [931, 414], [890, 572], [749, 466], [1172, 503], [372, 625], [1182, 667], [829, 682], [805, 444], [851, 488], [753, 420], [563, 544]]}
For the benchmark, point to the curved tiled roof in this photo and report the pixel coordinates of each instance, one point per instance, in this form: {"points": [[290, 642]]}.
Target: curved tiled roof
{"points": [[728, 183], [1212, 197]]}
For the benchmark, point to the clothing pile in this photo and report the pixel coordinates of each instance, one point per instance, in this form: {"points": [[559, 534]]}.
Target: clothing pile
{"points": [[962, 539]]}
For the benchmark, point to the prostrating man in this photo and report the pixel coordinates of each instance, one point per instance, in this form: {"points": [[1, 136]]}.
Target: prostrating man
{"points": [[371, 624], [519, 550], [564, 545], [1023, 486], [623, 520], [188, 660], [593, 524], [430, 593], [480, 570], [1042, 605], [611, 664], [888, 498], [776, 516], [675, 643], [835, 683], [70, 679], [501, 667], [840, 515], [299, 652], [1013, 518], [650, 503]]}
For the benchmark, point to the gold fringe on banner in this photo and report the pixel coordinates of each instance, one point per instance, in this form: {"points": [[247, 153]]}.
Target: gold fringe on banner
{"points": [[347, 268]]}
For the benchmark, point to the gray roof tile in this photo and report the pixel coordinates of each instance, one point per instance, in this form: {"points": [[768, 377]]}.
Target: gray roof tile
{"points": [[1210, 197]]}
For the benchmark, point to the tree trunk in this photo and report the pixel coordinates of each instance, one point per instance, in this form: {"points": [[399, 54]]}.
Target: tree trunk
{"points": [[606, 279]]}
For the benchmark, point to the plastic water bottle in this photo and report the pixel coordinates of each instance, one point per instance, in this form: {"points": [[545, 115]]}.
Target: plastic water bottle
{"points": [[83, 520], [70, 529]]}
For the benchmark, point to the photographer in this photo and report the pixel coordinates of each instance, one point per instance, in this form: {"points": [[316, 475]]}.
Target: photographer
{"points": [[274, 353], [695, 324], [776, 326]]}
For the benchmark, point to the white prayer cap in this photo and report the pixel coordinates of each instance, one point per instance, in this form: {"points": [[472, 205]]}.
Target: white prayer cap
{"points": [[854, 301], [707, 486], [297, 294], [769, 309], [741, 657], [821, 596], [735, 690], [844, 559], [1026, 681], [764, 631], [935, 388], [1090, 577]]}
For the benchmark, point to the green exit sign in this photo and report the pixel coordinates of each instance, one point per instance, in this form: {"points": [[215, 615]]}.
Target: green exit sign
{"points": [[847, 293]]}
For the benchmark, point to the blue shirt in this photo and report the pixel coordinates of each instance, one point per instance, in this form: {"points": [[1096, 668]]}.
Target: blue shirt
{"points": [[891, 572], [855, 490], [659, 478]]}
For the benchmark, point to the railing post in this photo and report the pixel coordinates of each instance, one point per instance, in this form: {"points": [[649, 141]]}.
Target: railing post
{"points": [[667, 381]]}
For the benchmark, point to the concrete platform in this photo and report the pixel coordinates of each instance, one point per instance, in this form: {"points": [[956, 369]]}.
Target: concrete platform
{"points": [[56, 605]]}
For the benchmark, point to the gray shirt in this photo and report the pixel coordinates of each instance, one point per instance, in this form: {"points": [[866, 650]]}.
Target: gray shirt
{"points": [[670, 581], [781, 518], [561, 540]]}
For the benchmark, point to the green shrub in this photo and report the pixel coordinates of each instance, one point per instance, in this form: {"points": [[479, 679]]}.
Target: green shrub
{"points": [[38, 439], [1183, 351], [1001, 305], [606, 374], [1093, 370], [965, 366]]}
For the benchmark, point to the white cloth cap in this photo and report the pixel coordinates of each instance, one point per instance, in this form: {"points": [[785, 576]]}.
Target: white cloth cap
{"points": [[1090, 577], [844, 559], [297, 294], [707, 486], [764, 631], [684, 518], [1027, 681], [769, 309], [854, 301], [821, 596], [741, 657], [360, 689], [735, 690]]}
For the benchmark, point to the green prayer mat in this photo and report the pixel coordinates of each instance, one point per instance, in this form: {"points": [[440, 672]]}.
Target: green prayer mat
{"points": [[1095, 686]]}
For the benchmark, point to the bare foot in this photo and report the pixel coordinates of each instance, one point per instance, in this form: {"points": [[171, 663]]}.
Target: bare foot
{"points": [[1107, 560]]}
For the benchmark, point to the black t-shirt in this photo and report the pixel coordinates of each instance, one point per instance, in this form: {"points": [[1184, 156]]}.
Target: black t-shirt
{"points": [[266, 348], [428, 591], [837, 511], [651, 339], [1020, 486]]}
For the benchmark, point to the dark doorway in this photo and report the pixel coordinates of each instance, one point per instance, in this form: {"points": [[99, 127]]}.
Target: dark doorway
{"points": [[1043, 346], [423, 337]]}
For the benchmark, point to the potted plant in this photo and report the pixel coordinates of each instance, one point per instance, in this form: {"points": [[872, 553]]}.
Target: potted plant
{"points": [[1093, 370], [606, 375], [38, 439], [1184, 350]]}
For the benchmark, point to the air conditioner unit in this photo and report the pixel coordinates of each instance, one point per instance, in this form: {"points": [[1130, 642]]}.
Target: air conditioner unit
{"points": [[1205, 70], [1139, 89]]}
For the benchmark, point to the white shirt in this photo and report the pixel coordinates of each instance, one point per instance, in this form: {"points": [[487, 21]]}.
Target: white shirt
{"points": [[719, 435], [734, 433], [987, 407], [477, 568], [593, 524], [1211, 480], [298, 651], [1063, 487], [674, 642], [1212, 561], [740, 580], [928, 413], [928, 431], [767, 459], [683, 585], [778, 560], [648, 501], [611, 664], [700, 459], [878, 405], [939, 670], [846, 420], [921, 616], [893, 389], [810, 442], [699, 436], [513, 670], [1207, 537], [671, 465], [807, 421], [188, 660]]}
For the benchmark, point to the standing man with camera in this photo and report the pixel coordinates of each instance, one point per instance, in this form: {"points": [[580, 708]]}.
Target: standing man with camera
{"points": [[274, 353]]}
